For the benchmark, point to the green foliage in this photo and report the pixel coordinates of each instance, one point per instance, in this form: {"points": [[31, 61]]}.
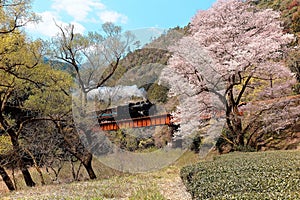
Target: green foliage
{"points": [[158, 93], [15, 14], [293, 62], [146, 143], [5, 144], [296, 88], [54, 98], [128, 140], [24, 77], [263, 175], [196, 143]]}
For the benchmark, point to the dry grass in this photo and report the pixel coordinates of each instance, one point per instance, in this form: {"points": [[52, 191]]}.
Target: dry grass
{"points": [[162, 184]]}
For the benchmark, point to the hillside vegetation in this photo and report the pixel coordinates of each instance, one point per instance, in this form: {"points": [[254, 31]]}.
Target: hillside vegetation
{"points": [[153, 53]]}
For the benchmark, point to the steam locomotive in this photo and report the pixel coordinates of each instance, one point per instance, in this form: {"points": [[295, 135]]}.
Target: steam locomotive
{"points": [[131, 110]]}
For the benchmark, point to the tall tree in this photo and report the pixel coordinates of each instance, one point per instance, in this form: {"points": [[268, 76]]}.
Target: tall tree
{"points": [[94, 59], [14, 14], [233, 56], [17, 77], [28, 87]]}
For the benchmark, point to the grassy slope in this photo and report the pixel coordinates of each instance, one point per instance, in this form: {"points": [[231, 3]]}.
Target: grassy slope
{"points": [[163, 184]]}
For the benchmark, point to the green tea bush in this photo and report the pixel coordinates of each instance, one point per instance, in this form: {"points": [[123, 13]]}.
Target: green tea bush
{"points": [[263, 175]]}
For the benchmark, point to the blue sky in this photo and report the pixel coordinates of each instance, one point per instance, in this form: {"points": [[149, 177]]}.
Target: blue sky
{"points": [[89, 15]]}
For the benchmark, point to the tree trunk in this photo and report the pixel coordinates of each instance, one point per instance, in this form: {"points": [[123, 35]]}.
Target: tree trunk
{"points": [[36, 166], [87, 163], [234, 121], [27, 177], [6, 179], [240, 135]]}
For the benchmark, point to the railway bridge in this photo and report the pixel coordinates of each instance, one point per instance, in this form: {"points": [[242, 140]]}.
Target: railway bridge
{"points": [[146, 121]]}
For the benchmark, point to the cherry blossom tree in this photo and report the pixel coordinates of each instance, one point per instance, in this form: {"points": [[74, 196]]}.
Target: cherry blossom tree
{"points": [[232, 56]]}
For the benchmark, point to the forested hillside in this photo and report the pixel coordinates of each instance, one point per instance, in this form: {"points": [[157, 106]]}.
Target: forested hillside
{"points": [[154, 52]]}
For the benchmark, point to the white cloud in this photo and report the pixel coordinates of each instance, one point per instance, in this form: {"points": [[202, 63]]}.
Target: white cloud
{"points": [[47, 26], [78, 9], [80, 13], [112, 16]]}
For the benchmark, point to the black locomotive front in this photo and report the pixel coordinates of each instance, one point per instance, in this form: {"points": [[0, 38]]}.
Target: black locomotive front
{"points": [[131, 110]]}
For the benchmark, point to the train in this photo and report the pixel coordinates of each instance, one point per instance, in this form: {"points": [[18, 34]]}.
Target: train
{"points": [[127, 111]]}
